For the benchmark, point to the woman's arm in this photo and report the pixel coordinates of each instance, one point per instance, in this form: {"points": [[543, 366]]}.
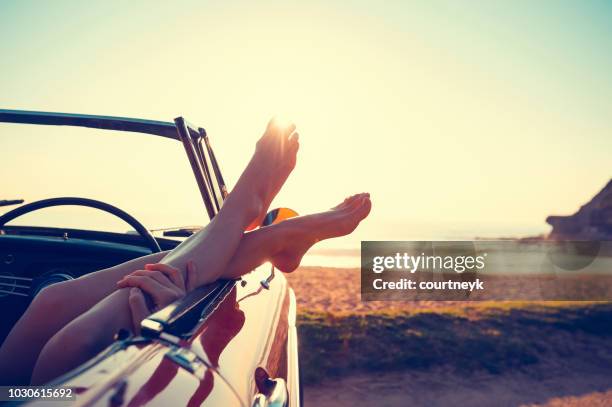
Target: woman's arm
{"points": [[89, 333]]}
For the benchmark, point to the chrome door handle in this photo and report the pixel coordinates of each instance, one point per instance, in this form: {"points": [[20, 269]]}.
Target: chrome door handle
{"points": [[275, 396]]}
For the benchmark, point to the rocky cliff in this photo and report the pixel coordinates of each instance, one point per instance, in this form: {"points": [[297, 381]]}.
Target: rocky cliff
{"points": [[593, 221]]}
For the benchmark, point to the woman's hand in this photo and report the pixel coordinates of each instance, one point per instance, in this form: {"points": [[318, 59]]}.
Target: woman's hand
{"points": [[155, 287]]}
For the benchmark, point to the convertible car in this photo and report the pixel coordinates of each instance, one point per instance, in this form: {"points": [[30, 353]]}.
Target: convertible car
{"points": [[231, 343]]}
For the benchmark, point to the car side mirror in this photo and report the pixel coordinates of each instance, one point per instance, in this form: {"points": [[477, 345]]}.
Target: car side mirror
{"points": [[278, 215]]}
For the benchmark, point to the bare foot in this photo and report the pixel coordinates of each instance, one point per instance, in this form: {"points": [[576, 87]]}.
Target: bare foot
{"points": [[303, 232], [273, 161]]}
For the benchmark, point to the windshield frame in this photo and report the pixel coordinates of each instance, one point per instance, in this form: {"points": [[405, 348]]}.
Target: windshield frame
{"points": [[194, 140]]}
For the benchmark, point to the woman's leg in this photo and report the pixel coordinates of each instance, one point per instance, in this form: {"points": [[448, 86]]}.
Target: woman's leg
{"points": [[51, 310], [210, 249], [283, 244]]}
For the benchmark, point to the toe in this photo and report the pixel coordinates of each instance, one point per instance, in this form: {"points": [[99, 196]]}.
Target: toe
{"points": [[294, 141], [363, 209], [348, 202], [355, 201], [288, 129], [278, 126]]}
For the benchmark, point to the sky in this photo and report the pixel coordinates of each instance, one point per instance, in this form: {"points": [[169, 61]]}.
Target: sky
{"points": [[461, 119]]}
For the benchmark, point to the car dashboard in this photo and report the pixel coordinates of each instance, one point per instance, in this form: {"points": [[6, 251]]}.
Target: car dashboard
{"points": [[32, 258]]}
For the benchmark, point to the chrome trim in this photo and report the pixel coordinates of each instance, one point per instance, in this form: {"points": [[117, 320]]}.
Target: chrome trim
{"points": [[170, 338], [293, 366], [13, 293], [259, 400], [185, 358], [151, 328], [16, 278], [271, 392], [277, 397], [275, 317], [14, 285], [189, 140]]}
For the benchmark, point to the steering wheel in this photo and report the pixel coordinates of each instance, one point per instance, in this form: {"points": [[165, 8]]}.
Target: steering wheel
{"points": [[91, 203]]}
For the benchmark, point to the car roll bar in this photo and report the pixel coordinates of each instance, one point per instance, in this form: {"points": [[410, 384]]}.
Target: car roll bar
{"points": [[195, 142]]}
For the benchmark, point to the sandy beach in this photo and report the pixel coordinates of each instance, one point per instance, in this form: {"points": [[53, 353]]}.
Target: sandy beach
{"points": [[571, 366], [337, 290]]}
